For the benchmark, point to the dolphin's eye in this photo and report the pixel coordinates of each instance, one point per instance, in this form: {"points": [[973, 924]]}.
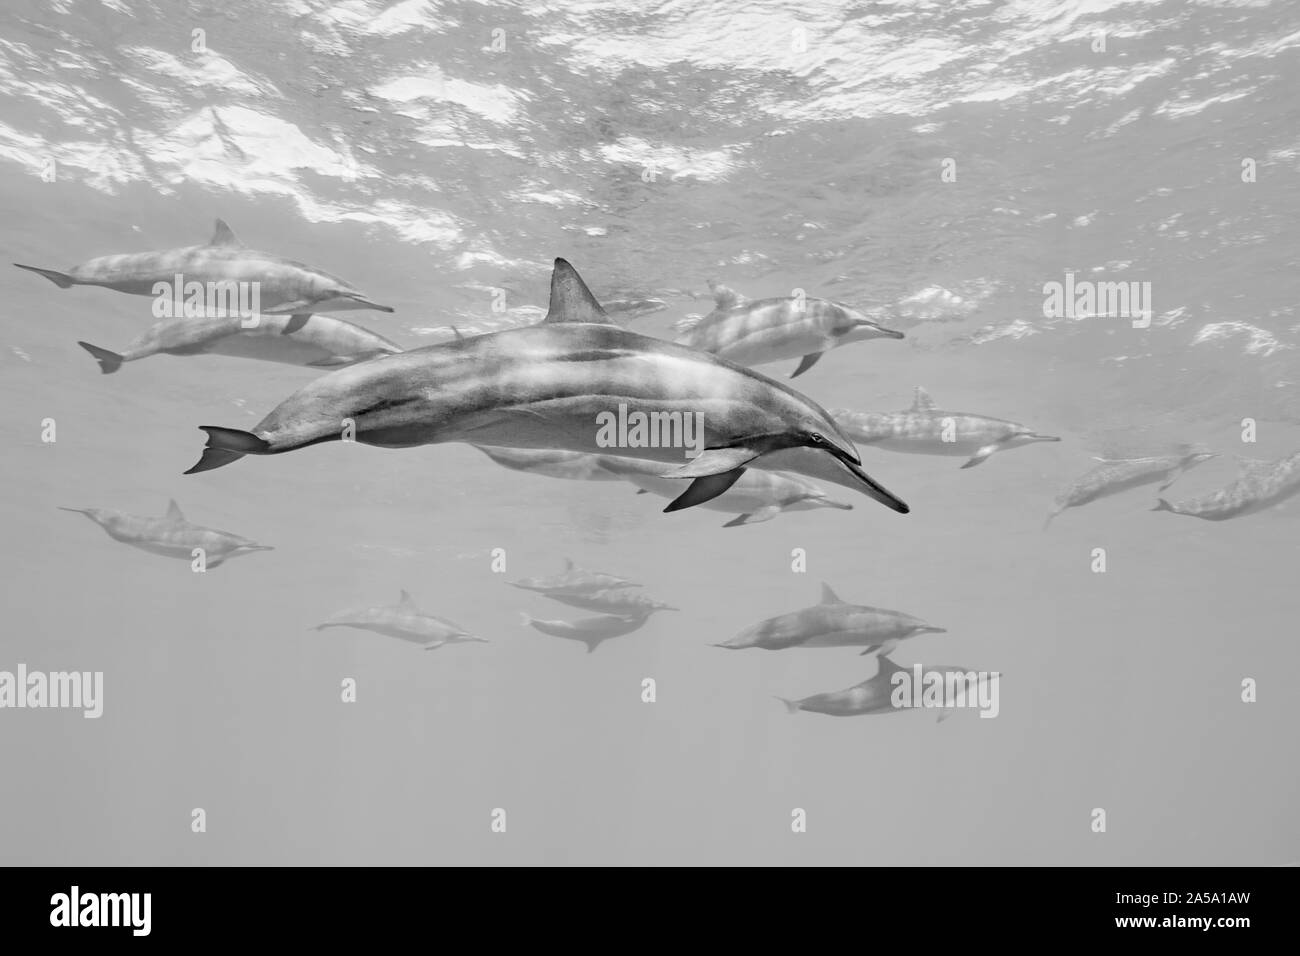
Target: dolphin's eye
{"points": [[817, 438]]}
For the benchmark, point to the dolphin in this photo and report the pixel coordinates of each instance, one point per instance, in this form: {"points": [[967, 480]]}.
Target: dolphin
{"points": [[1114, 475], [1261, 484], [756, 496], [405, 622], [171, 535], [284, 286], [590, 630], [833, 623], [875, 695], [574, 580], [771, 330], [924, 429], [317, 341], [547, 386], [615, 601], [572, 465]]}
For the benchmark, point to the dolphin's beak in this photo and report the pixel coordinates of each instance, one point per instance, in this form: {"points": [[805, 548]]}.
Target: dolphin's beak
{"points": [[80, 511], [831, 503], [1033, 436], [880, 330], [931, 629], [875, 489]]}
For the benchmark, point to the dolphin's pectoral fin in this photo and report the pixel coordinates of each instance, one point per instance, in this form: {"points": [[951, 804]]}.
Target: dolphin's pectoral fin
{"points": [[807, 362], [714, 461], [704, 489], [980, 455], [642, 491], [296, 323]]}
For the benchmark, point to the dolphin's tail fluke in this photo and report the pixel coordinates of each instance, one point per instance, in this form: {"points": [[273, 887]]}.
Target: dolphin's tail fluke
{"points": [[226, 445], [108, 361], [791, 706], [1162, 505], [1050, 516], [525, 619], [60, 279]]}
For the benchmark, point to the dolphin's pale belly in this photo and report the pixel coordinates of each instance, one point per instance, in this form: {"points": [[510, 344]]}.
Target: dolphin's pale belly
{"points": [[603, 626], [1112, 483], [287, 350], [939, 433]]}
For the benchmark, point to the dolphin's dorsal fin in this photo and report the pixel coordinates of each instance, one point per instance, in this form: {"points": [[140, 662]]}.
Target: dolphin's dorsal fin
{"points": [[406, 600], [223, 236], [921, 400], [459, 336], [568, 564], [829, 596], [571, 300], [725, 297], [885, 666], [174, 511]]}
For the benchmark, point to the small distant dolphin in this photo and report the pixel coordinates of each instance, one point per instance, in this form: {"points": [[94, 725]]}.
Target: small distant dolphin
{"points": [[574, 580], [619, 602], [544, 386], [572, 465], [284, 286], [1114, 475], [634, 308], [171, 535], [771, 330], [833, 623], [1261, 485], [757, 496], [875, 694], [589, 630], [924, 429], [317, 341], [405, 622]]}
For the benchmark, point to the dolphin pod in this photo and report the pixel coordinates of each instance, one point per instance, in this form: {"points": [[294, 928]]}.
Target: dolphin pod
{"points": [[284, 286], [317, 341], [924, 429], [771, 330], [1260, 485], [1115, 475], [404, 621], [544, 386], [833, 623], [171, 535]]}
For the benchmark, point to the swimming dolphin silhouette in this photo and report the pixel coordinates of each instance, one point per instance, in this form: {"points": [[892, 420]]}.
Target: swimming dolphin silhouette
{"points": [[833, 623], [771, 330], [1260, 485], [546, 386], [1115, 475], [574, 580], [171, 535], [404, 621], [592, 631], [284, 286], [317, 341], [925, 429], [875, 695]]}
